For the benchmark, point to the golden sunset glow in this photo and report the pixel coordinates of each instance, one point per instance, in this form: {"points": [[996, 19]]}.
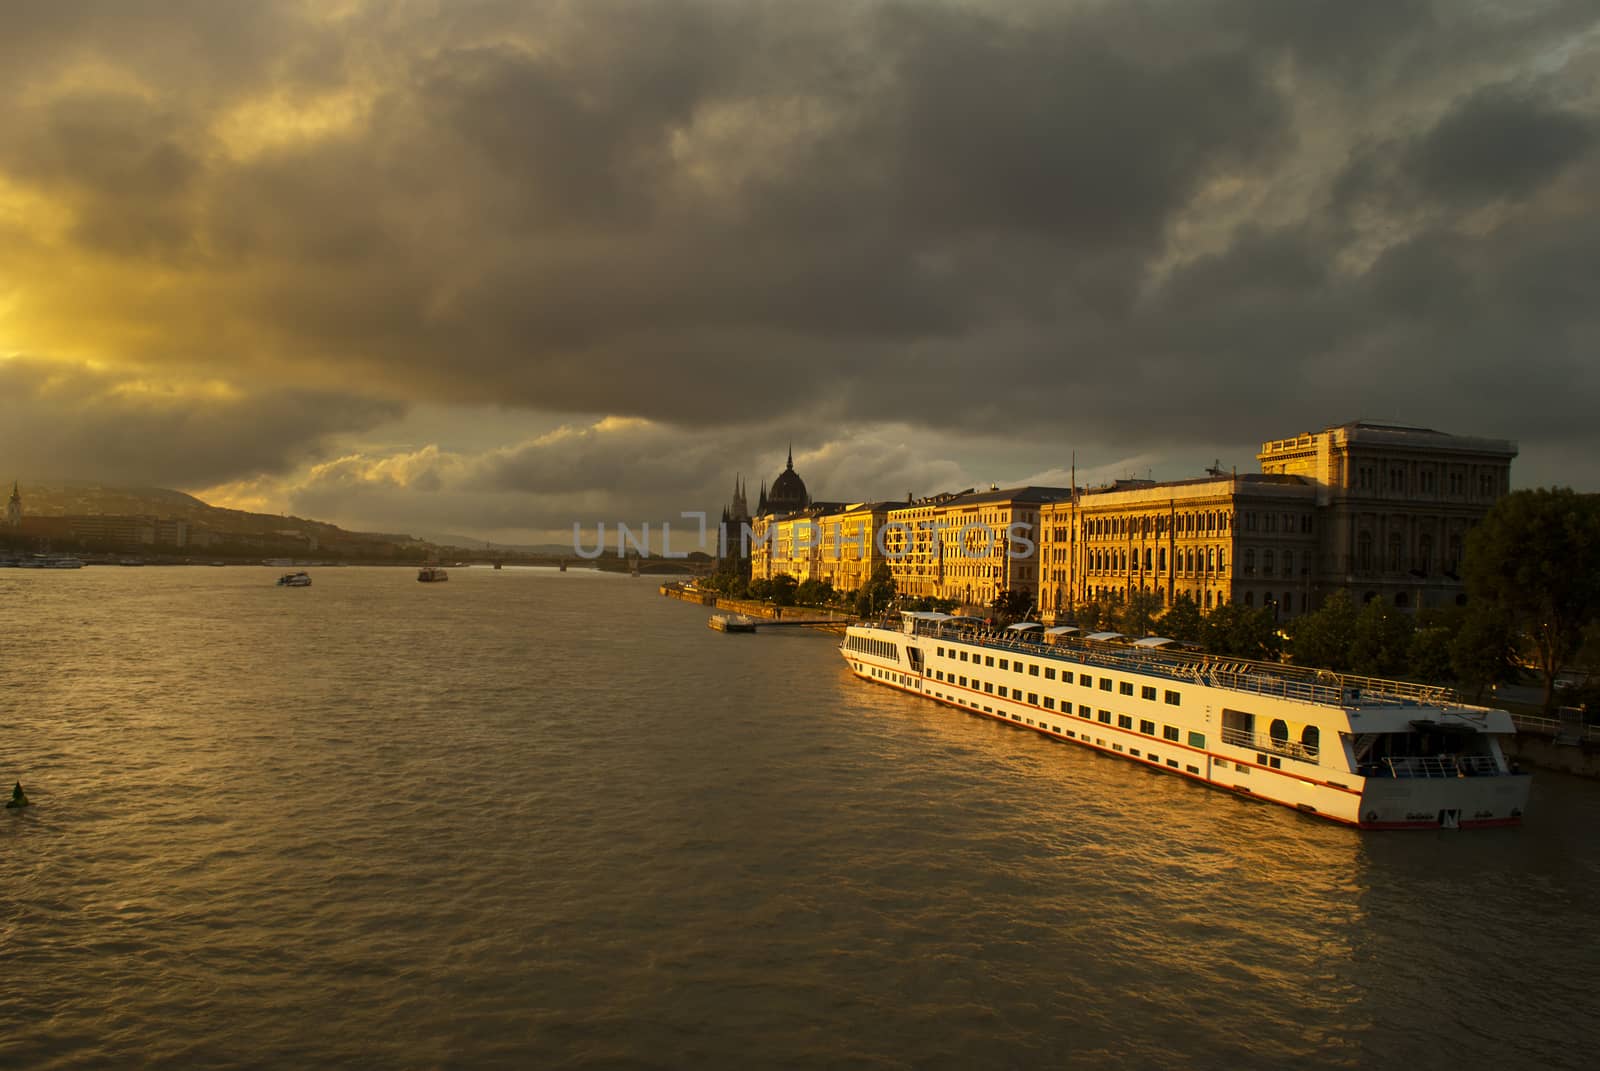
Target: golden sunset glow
{"points": [[280, 254]]}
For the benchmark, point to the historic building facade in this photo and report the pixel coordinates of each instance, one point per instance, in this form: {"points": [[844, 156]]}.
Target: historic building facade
{"points": [[733, 551], [852, 545], [1380, 511], [1219, 539], [1377, 510], [1394, 505]]}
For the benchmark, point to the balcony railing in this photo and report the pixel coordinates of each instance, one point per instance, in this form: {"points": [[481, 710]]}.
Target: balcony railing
{"points": [[1438, 766], [1291, 748], [1258, 678]]}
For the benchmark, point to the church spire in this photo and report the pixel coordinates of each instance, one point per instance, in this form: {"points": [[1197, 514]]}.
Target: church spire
{"points": [[791, 457]]}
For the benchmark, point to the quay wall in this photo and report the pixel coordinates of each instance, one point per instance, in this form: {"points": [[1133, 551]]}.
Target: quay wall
{"points": [[678, 591], [1542, 751], [755, 608]]}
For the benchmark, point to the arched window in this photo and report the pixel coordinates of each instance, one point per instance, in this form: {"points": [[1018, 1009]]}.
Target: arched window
{"points": [[1288, 563], [1279, 732], [1425, 555], [1162, 558], [1208, 598], [1222, 558], [1250, 562], [1364, 552], [1310, 740], [1268, 563], [1394, 552], [1211, 558]]}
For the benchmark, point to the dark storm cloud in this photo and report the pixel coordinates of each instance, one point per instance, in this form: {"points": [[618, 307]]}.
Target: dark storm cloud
{"points": [[1130, 223], [59, 420], [1500, 142]]}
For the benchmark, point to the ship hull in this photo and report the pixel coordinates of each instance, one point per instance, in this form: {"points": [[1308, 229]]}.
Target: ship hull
{"points": [[1174, 727]]}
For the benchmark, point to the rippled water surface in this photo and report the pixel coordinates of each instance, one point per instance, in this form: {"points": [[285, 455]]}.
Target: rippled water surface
{"points": [[533, 819]]}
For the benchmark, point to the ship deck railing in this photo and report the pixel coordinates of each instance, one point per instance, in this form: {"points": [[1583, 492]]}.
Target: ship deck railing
{"points": [[1289, 748], [1563, 730], [1275, 680], [1433, 766]]}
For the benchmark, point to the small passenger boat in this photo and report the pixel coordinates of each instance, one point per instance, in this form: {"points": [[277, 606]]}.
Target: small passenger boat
{"points": [[294, 580], [432, 574]]}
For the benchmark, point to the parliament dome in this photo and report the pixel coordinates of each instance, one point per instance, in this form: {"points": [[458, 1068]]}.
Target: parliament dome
{"points": [[788, 492]]}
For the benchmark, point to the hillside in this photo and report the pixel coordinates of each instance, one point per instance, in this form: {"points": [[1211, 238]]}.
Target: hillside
{"points": [[62, 499]]}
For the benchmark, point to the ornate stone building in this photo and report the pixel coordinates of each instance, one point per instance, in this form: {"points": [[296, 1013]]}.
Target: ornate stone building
{"points": [[851, 544], [733, 553], [1216, 539], [1377, 510], [788, 494], [1394, 505]]}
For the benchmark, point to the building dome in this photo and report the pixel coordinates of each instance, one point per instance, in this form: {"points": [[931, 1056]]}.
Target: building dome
{"points": [[788, 492]]}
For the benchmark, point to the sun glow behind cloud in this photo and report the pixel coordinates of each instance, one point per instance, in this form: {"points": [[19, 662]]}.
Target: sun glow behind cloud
{"points": [[269, 231]]}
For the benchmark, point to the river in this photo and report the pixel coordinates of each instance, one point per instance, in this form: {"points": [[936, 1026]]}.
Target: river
{"points": [[539, 819]]}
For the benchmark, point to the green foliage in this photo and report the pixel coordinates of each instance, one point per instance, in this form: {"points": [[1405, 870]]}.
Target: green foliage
{"points": [[727, 583], [1012, 605], [760, 589], [783, 590], [877, 593], [1323, 639], [1429, 653], [1182, 621], [1381, 640], [815, 593], [1242, 631], [1101, 615], [931, 605], [1537, 557], [1484, 650], [1137, 616]]}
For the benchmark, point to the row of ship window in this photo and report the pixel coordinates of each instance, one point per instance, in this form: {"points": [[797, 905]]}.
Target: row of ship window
{"points": [[1169, 733], [876, 648], [1123, 721], [1086, 680]]}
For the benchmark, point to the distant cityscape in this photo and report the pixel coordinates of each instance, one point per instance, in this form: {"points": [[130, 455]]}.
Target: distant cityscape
{"points": [[1377, 510]]}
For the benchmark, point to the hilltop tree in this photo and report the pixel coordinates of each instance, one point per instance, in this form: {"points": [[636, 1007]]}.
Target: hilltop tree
{"points": [[1537, 556]]}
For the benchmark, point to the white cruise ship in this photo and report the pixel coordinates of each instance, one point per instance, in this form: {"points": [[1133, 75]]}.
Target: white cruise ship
{"points": [[1370, 753]]}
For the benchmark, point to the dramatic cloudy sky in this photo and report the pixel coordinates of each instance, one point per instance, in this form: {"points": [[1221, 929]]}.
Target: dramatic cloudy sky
{"points": [[491, 267]]}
